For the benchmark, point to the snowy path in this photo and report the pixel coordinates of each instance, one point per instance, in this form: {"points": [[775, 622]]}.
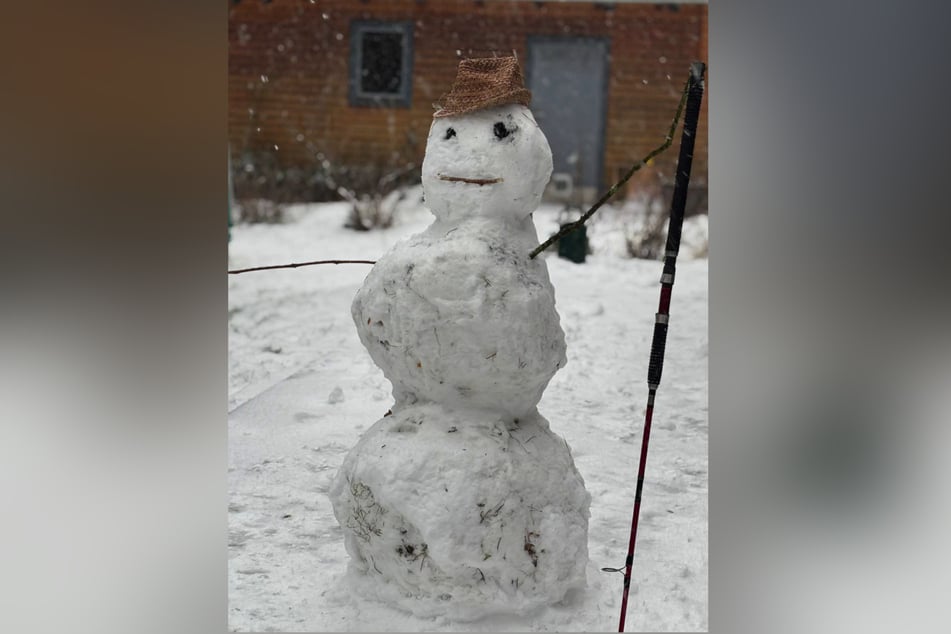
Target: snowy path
{"points": [[292, 344]]}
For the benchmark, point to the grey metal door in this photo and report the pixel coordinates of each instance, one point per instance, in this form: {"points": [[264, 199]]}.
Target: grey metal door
{"points": [[568, 80]]}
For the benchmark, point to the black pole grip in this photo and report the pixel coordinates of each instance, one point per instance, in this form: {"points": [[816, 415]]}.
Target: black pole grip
{"points": [[678, 203], [658, 345]]}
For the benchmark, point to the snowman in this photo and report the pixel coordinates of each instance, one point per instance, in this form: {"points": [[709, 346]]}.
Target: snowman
{"points": [[461, 501]]}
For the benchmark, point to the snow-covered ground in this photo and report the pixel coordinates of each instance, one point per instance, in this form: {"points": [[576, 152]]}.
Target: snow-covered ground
{"points": [[302, 389]]}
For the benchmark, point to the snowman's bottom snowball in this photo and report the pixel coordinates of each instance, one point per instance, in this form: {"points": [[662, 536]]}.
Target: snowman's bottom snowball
{"points": [[462, 514]]}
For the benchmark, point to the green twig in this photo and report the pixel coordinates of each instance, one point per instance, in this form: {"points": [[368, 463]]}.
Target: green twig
{"points": [[568, 228]]}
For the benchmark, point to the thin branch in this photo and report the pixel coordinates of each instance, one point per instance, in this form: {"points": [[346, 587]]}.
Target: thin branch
{"points": [[297, 264], [568, 228], [472, 181]]}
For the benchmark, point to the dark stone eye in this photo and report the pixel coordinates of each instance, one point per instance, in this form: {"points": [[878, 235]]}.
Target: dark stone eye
{"points": [[500, 130], [450, 133]]}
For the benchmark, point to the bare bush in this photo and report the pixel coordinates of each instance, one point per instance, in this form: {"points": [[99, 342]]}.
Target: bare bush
{"points": [[646, 240], [647, 236], [260, 210], [263, 187], [373, 193]]}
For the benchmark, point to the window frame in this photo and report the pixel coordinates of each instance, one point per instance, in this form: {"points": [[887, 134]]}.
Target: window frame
{"points": [[358, 97]]}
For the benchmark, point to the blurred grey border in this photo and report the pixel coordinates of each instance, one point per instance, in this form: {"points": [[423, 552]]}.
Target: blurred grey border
{"points": [[829, 289], [829, 308], [113, 335]]}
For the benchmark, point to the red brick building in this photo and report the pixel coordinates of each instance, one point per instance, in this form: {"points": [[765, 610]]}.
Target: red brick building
{"points": [[324, 84]]}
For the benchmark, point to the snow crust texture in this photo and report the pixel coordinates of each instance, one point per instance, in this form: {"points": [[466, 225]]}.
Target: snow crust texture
{"points": [[463, 513], [463, 502], [459, 315]]}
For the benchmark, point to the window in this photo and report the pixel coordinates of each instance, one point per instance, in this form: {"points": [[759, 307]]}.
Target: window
{"points": [[381, 61]]}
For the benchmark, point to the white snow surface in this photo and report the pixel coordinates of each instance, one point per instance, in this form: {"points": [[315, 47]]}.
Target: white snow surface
{"points": [[303, 391]]}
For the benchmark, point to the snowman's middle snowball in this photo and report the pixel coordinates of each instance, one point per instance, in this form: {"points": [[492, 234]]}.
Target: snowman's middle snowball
{"points": [[460, 315]]}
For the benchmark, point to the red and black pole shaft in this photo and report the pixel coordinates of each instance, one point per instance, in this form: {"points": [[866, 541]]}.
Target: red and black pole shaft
{"points": [[677, 206]]}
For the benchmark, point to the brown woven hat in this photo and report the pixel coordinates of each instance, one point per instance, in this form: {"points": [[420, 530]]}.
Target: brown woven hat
{"points": [[484, 83]]}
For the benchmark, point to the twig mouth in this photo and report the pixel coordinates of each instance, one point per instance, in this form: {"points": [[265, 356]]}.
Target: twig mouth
{"points": [[471, 181]]}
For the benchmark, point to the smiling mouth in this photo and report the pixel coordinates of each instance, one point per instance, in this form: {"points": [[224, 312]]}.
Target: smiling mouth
{"points": [[471, 181]]}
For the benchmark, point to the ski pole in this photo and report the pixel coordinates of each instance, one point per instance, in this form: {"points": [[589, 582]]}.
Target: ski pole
{"points": [[677, 206]]}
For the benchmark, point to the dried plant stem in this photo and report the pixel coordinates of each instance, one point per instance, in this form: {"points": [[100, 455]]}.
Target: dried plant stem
{"points": [[297, 264], [568, 228], [471, 181]]}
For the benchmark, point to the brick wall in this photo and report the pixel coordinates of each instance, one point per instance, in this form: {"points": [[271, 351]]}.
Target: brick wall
{"points": [[288, 71]]}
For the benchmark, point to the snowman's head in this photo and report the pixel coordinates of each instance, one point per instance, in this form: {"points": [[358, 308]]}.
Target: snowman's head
{"points": [[492, 163]]}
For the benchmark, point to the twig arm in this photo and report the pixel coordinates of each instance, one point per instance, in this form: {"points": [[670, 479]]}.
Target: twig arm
{"points": [[568, 228], [297, 264]]}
